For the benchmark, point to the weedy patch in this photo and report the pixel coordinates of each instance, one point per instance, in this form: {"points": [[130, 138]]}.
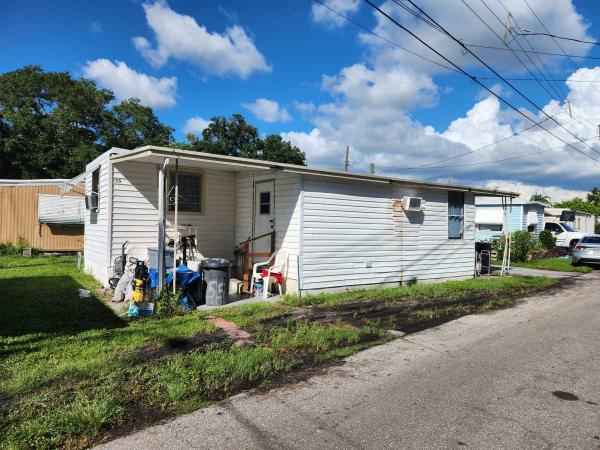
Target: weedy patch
{"points": [[74, 374]]}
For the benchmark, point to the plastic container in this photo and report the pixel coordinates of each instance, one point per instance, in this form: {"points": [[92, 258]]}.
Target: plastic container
{"points": [[215, 279], [153, 257]]}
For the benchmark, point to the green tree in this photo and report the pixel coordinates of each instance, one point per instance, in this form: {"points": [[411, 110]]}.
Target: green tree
{"points": [[542, 198], [274, 148], [578, 204], [236, 137], [50, 123], [131, 124], [232, 137], [594, 196]]}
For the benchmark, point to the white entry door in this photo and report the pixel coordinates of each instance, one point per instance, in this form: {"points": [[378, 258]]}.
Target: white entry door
{"points": [[264, 214]]}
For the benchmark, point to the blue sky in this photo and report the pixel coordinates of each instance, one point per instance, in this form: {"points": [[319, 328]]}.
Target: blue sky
{"points": [[323, 83]]}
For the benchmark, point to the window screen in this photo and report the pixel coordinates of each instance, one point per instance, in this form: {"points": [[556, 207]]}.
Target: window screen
{"points": [[265, 202], [190, 192], [456, 215]]}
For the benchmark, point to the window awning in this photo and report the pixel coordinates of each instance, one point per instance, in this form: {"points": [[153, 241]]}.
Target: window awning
{"points": [[489, 216]]}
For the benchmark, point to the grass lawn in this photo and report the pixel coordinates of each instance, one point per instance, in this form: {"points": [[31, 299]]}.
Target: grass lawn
{"points": [[556, 264], [74, 374]]}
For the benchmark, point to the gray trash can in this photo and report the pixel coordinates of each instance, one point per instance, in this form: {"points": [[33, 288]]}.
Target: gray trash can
{"points": [[215, 280]]}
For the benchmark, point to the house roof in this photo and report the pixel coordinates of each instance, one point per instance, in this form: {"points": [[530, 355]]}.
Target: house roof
{"points": [[39, 182], [486, 201], [154, 154]]}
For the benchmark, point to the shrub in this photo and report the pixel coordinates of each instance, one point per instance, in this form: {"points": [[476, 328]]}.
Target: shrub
{"points": [[547, 239], [523, 245], [10, 249]]}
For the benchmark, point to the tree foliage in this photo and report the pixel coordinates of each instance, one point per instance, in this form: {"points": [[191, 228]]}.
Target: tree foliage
{"points": [[52, 125], [542, 198], [236, 137], [578, 204]]}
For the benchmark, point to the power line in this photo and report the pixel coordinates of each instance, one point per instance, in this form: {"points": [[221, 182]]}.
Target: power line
{"points": [[460, 155], [369, 2], [509, 15], [491, 47], [483, 162], [488, 26], [554, 39], [532, 33], [395, 44], [389, 41]]}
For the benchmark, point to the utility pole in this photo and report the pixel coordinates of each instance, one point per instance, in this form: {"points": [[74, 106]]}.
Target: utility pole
{"points": [[347, 160]]}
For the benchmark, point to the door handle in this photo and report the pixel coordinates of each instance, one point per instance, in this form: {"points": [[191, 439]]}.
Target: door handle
{"points": [[272, 220]]}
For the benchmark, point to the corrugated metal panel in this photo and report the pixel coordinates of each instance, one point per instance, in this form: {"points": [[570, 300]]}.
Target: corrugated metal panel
{"points": [[67, 210], [19, 219]]}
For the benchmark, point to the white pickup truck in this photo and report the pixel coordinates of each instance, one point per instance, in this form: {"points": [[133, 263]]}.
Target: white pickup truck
{"points": [[566, 235]]}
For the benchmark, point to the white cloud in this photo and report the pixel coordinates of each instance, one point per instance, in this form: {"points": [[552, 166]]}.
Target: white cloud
{"points": [[321, 14], [180, 37], [556, 194], [268, 110], [195, 125], [372, 102], [127, 83]]}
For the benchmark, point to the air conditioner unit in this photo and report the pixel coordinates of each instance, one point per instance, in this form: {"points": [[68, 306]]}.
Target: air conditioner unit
{"points": [[412, 203], [91, 202]]}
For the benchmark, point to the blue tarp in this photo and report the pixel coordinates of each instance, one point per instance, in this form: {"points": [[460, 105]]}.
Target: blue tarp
{"points": [[185, 276]]}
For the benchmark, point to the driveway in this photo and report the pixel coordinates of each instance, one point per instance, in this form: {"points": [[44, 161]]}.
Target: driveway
{"points": [[524, 377], [527, 272]]}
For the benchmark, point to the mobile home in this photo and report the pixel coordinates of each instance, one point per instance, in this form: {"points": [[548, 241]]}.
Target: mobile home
{"points": [[35, 211], [492, 218], [582, 222], [338, 230]]}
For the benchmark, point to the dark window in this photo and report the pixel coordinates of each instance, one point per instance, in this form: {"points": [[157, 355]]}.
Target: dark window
{"points": [[190, 192], [96, 188], [553, 227], [531, 228], [456, 215], [590, 240], [265, 202], [486, 227]]}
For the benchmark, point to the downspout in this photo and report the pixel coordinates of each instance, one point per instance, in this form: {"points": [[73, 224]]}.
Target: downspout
{"points": [[176, 225], [109, 215], [300, 237], [161, 223]]}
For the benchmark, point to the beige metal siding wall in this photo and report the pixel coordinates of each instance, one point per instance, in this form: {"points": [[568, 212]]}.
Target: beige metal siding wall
{"points": [[19, 218]]}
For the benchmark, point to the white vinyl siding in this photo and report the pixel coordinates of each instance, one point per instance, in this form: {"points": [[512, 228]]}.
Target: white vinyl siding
{"points": [[95, 238], [215, 225], [347, 235], [67, 209], [357, 234], [287, 213], [427, 253]]}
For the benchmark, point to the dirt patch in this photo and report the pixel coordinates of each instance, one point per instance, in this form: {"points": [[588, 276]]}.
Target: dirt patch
{"points": [[170, 346], [410, 316]]}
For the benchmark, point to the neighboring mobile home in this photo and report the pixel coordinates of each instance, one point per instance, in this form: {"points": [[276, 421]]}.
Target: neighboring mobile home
{"points": [[339, 230], [521, 215], [35, 211], [582, 222]]}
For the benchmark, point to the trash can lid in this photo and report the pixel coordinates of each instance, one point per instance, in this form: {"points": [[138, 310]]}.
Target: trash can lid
{"points": [[216, 263]]}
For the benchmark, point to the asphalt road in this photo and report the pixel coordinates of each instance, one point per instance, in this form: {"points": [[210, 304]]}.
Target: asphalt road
{"points": [[482, 381]]}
